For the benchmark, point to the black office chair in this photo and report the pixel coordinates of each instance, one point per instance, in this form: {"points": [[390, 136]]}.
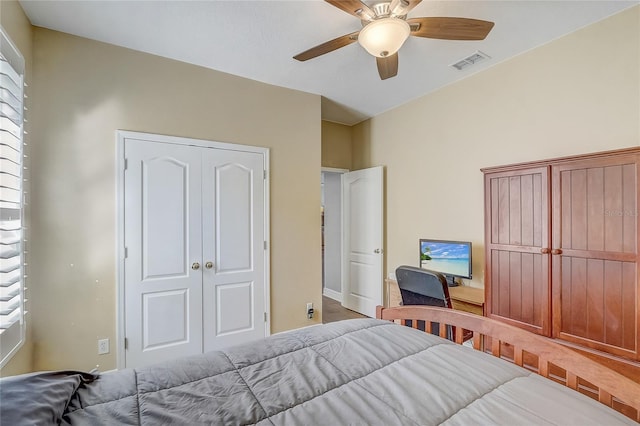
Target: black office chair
{"points": [[424, 287]]}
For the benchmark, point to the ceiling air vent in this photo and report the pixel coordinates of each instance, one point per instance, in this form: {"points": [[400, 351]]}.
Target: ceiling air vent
{"points": [[470, 60]]}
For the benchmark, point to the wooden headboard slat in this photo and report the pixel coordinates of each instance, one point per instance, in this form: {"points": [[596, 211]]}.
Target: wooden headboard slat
{"points": [[605, 397], [517, 356], [443, 330], [572, 381], [495, 347]]}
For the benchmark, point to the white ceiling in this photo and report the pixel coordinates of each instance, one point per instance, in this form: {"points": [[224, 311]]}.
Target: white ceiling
{"points": [[257, 39]]}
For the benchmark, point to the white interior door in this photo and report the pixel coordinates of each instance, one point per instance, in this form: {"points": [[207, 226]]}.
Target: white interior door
{"points": [[233, 247], [163, 309], [362, 218]]}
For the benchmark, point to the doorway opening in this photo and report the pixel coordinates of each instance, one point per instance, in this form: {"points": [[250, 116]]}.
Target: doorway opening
{"points": [[331, 222], [352, 238]]}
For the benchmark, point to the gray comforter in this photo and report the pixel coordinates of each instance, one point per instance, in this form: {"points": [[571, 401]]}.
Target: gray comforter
{"points": [[359, 372]]}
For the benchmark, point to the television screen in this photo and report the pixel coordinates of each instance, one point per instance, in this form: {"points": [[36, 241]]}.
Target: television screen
{"points": [[447, 257]]}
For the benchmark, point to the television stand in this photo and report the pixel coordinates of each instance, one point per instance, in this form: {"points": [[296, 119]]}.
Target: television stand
{"points": [[451, 280]]}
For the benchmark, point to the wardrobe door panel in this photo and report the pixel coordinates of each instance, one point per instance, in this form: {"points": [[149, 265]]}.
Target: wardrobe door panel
{"points": [[594, 253], [517, 234]]}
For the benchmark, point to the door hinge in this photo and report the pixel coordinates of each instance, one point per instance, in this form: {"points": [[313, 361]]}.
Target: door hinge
{"points": [[265, 245], [126, 164], [126, 252], [264, 174], [265, 317], [126, 343]]}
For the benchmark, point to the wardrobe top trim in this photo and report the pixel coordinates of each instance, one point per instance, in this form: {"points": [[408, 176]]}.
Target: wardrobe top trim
{"points": [[552, 161]]}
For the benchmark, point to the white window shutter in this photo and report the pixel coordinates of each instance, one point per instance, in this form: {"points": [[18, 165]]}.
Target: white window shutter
{"points": [[12, 300]]}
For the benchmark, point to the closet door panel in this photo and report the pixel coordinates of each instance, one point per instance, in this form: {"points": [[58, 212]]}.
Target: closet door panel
{"points": [[163, 310], [234, 294], [234, 214], [165, 191]]}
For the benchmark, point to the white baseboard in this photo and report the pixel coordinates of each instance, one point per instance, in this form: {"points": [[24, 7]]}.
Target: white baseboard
{"points": [[332, 294]]}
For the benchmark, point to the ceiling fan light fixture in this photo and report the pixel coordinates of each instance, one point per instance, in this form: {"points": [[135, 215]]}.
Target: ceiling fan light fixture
{"points": [[384, 37]]}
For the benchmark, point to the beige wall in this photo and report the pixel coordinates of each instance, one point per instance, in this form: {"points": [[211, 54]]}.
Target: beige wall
{"points": [[578, 94], [85, 90], [336, 145], [18, 28]]}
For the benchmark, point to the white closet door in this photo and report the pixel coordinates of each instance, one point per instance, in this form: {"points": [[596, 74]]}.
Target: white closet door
{"points": [[233, 229], [163, 290]]}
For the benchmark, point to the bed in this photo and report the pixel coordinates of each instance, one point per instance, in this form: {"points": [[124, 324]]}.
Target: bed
{"points": [[364, 371]]}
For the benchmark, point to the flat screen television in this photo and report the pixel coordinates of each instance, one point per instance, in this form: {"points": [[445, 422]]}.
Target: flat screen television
{"points": [[450, 258]]}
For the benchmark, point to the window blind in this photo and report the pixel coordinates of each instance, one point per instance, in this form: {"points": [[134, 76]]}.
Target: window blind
{"points": [[12, 322]]}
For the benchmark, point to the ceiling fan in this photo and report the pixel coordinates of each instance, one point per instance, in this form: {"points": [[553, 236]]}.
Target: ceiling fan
{"points": [[385, 28]]}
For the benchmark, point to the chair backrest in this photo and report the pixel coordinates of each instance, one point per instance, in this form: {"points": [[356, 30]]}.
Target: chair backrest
{"points": [[422, 287]]}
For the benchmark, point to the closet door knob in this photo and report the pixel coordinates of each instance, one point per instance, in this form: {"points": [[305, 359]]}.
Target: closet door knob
{"points": [[208, 265], [545, 250], [556, 251], [195, 266]]}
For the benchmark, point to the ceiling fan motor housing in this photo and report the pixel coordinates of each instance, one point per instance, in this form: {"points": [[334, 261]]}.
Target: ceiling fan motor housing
{"points": [[381, 9], [384, 10]]}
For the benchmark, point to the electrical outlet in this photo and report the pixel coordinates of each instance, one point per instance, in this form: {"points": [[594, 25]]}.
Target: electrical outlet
{"points": [[309, 310], [103, 346]]}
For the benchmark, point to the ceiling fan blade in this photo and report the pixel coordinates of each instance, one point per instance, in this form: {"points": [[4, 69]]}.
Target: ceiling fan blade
{"points": [[388, 66], [327, 47], [354, 7], [450, 28]]}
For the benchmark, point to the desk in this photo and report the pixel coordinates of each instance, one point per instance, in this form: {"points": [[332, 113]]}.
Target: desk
{"points": [[463, 298], [468, 299]]}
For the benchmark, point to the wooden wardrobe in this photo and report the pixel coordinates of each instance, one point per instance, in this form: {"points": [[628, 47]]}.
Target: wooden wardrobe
{"points": [[561, 252]]}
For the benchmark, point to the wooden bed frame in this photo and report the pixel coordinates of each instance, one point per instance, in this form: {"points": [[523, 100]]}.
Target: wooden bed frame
{"points": [[530, 351]]}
